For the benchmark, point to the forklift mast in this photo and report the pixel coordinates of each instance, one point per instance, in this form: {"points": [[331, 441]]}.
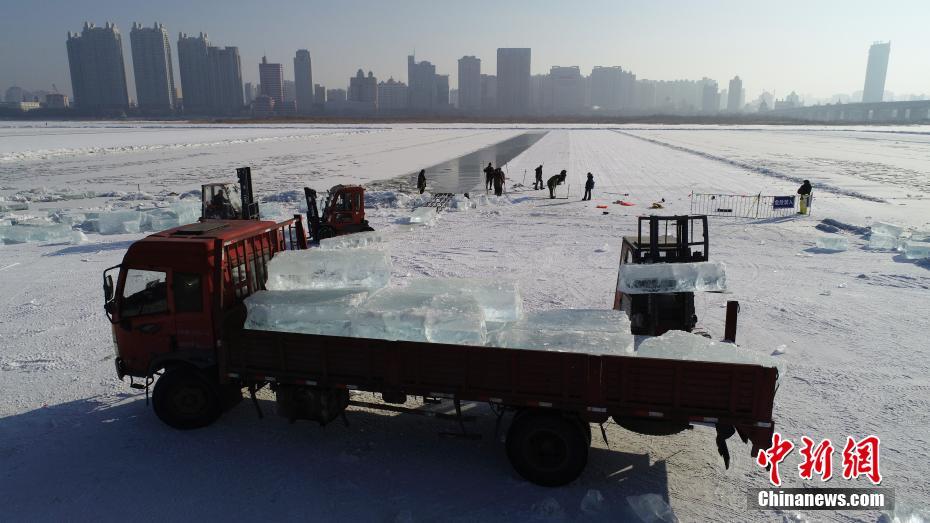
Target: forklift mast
{"points": [[229, 201], [249, 205]]}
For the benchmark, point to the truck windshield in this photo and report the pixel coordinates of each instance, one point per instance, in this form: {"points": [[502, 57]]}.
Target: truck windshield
{"points": [[145, 292]]}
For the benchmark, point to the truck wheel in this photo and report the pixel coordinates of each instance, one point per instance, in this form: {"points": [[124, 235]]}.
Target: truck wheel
{"points": [[326, 232], [184, 399], [547, 448]]}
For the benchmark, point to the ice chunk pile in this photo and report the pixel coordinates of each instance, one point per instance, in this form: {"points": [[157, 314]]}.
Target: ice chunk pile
{"points": [[887, 229], [672, 277], [883, 242], [681, 345], [120, 222], [6, 206], [833, 243], [366, 239], [591, 331], [39, 232], [461, 203], [399, 314], [499, 300], [424, 216], [314, 269], [326, 312]]}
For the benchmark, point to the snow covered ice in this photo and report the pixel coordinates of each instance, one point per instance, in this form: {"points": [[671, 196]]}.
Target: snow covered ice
{"points": [[681, 345], [358, 240], [358, 269], [672, 277], [833, 243], [326, 312], [500, 300]]}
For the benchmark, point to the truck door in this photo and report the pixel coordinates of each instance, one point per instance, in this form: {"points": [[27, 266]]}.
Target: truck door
{"points": [[146, 326], [191, 317]]}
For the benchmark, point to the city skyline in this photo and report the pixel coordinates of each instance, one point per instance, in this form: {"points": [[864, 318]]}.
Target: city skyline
{"points": [[656, 42]]}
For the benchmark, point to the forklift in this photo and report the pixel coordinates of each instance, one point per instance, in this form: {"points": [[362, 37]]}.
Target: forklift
{"points": [[343, 212], [229, 201], [667, 239]]}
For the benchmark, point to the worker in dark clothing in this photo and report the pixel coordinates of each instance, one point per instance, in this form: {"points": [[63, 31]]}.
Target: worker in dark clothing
{"points": [[555, 181], [421, 181], [588, 185], [488, 176], [538, 184], [804, 198], [498, 182]]}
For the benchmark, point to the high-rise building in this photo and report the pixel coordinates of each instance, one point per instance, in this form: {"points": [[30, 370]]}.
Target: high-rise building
{"points": [[335, 95], [272, 80], [392, 95], [735, 95], [194, 66], [421, 91], [488, 93], [469, 84], [98, 74], [875, 72], [56, 101], [442, 91], [319, 95], [290, 91], [303, 81], [225, 80], [567, 90], [363, 91], [249, 93], [606, 87], [153, 69], [513, 80], [710, 97]]}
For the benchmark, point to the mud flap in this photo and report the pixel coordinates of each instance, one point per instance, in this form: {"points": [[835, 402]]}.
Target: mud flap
{"points": [[723, 434]]}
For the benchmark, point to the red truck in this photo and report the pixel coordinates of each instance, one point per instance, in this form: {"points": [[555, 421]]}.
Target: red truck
{"points": [[177, 313]]}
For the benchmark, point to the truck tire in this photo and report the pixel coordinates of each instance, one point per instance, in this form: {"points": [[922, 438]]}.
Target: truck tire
{"points": [[184, 399], [547, 448], [325, 232]]}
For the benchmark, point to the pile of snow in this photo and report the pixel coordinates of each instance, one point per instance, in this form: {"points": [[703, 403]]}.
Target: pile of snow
{"points": [[322, 269], [672, 277], [681, 345], [387, 199], [833, 243], [47, 195], [461, 203], [358, 240], [423, 216], [591, 331]]}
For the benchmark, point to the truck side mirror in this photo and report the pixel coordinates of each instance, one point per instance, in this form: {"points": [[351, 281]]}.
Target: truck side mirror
{"points": [[108, 288]]}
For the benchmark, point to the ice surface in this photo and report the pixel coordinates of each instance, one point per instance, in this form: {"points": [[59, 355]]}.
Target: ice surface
{"points": [[500, 300], [424, 215], [672, 277], [366, 239], [326, 312], [681, 345], [590, 331], [888, 229], [358, 269], [13, 206], [651, 508], [914, 250], [119, 222], [884, 242], [398, 314], [833, 243], [272, 211]]}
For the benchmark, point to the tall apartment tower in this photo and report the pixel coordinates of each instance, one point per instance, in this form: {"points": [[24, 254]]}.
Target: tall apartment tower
{"points": [[225, 80], [513, 80], [153, 69], [421, 77], [735, 95], [98, 74], [303, 81], [271, 77], [470, 84], [194, 66], [875, 72]]}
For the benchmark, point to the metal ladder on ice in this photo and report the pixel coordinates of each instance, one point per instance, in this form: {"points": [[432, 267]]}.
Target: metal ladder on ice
{"points": [[440, 201]]}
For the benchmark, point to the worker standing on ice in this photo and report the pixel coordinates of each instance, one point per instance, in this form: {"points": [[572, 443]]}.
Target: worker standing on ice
{"points": [[498, 182], [555, 181], [804, 200], [421, 181], [538, 184], [588, 185], [488, 176]]}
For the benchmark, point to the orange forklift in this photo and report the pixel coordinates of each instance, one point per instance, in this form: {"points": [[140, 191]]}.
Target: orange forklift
{"points": [[343, 212]]}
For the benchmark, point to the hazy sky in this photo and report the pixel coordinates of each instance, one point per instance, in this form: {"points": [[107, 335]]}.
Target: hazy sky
{"points": [[816, 47]]}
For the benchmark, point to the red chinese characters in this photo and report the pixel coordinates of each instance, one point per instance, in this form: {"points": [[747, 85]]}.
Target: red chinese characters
{"points": [[819, 460], [861, 459]]}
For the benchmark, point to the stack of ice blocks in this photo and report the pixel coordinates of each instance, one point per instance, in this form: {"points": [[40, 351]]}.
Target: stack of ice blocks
{"points": [[367, 239], [500, 301], [591, 331], [399, 314], [680, 345], [328, 312], [672, 277], [884, 236]]}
